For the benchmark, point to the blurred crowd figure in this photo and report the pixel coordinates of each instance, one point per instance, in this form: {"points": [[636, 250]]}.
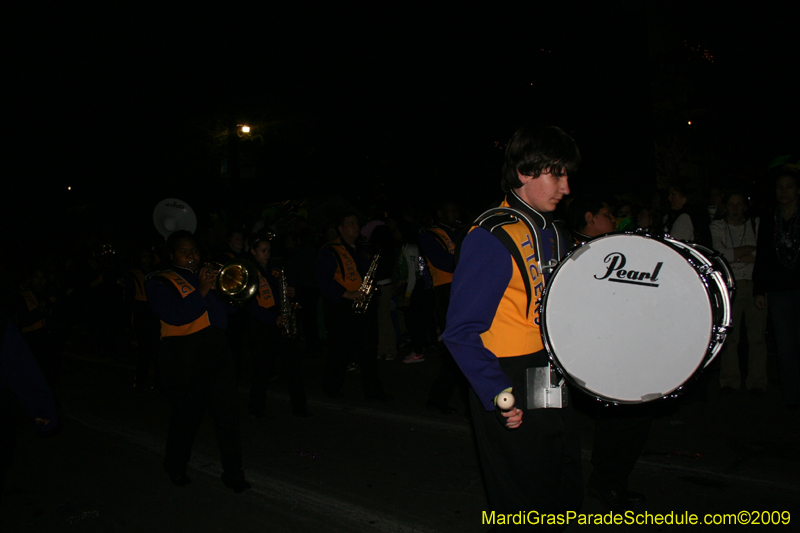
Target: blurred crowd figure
{"points": [[92, 297], [94, 292]]}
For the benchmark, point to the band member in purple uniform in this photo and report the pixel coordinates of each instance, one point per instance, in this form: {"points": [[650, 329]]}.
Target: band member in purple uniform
{"points": [[198, 371], [341, 267], [531, 458]]}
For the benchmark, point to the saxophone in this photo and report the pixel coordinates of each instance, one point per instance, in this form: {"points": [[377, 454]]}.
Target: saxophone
{"points": [[367, 287], [288, 309]]}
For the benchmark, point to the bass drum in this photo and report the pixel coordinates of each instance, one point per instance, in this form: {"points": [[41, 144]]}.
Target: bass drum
{"points": [[630, 318]]}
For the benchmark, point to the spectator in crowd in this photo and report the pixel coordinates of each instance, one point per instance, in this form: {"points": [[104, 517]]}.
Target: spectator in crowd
{"points": [[735, 237], [776, 280]]}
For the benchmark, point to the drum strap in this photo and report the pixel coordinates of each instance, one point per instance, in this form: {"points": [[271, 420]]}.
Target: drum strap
{"points": [[493, 221]]}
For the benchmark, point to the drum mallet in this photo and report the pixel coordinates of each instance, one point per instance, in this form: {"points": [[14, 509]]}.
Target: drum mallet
{"points": [[505, 402]]}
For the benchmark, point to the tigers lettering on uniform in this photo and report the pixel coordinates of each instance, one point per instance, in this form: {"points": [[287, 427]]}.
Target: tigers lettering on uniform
{"points": [[515, 329], [184, 289], [346, 272], [350, 268], [183, 286], [265, 297], [532, 261]]}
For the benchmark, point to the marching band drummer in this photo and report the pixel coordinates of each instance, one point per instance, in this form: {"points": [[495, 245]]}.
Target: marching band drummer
{"points": [[198, 371], [620, 431], [530, 458], [264, 335], [341, 266]]}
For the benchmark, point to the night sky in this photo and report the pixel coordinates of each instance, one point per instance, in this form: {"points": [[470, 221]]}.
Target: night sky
{"points": [[129, 107]]}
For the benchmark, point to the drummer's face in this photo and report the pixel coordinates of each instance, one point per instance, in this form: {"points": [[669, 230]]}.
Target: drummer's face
{"points": [[736, 207], [786, 190], [262, 252], [186, 254], [676, 199], [543, 193], [602, 222]]}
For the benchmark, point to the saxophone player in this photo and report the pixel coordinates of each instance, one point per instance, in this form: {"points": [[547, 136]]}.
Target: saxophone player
{"points": [[264, 335], [341, 267]]}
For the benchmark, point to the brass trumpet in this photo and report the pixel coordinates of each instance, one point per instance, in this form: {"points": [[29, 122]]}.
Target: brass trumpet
{"points": [[237, 280]]}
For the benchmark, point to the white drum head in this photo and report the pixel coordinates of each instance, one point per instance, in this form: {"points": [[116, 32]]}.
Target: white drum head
{"points": [[629, 332]]}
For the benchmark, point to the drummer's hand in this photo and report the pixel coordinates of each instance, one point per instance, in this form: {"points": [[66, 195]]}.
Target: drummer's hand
{"points": [[353, 295], [207, 279], [746, 250], [513, 418], [761, 302]]}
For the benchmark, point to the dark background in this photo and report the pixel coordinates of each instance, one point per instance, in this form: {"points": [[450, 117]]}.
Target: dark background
{"points": [[383, 104]]}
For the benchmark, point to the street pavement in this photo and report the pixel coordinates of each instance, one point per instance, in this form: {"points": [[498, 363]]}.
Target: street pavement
{"points": [[358, 466]]}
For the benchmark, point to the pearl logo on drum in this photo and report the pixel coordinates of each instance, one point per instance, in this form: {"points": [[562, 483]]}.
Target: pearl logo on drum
{"points": [[616, 272]]}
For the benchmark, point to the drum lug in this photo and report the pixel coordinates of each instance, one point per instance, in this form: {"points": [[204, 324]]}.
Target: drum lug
{"points": [[706, 269]]}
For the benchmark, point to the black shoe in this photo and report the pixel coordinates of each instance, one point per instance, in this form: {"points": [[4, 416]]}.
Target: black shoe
{"points": [[446, 409], [236, 482], [302, 414], [178, 477], [335, 395], [618, 500]]}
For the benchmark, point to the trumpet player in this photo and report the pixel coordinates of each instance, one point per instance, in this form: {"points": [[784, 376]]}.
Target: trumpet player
{"points": [[198, 371], [341, 267], [264, 335]]}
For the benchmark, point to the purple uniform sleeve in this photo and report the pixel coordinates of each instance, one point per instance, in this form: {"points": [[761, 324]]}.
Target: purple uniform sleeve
{"points": [[19, 371], [326, 269], [479, 282], [168, 306]]}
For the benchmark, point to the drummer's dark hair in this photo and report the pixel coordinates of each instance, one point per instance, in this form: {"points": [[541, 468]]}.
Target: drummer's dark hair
{"points": [[343, 214], [786, 172], [735, 192], [532, 151], [257, 238], [175, 238], [689, 188], [576, 212]]}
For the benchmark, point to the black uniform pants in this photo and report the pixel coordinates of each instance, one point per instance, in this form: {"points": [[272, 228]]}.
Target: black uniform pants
{"points": [[266, 346], [351, 334], [146, 330], [199, 376], [620, 434], [449, 376], [535, 467]]}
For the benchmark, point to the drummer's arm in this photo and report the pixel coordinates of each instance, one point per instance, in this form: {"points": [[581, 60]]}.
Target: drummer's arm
{"points": [[480, 280], [738, 254], [718, 238], [745, 254]]}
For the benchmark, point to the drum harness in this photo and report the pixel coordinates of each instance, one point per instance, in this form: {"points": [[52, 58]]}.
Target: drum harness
{"points": [[545, 388]]}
